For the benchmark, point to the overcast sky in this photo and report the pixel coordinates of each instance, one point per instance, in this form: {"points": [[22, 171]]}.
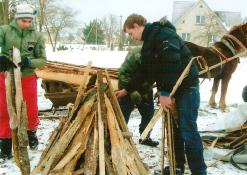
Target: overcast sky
{"points": [[151, 9]]}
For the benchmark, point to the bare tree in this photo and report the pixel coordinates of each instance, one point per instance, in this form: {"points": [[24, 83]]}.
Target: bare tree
{"points": [[210, 31], [56, 20], [111, 29], [5, 11], [80, 34]]}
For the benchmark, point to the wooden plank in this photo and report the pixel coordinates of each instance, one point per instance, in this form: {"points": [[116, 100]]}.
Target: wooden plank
{"points": [[151, 124], [115, 104], [17, 112], [116, 151], [79, 97], [60, 146], [92, 153], [84, 139], [170, 144], [100, 125], [119, 114], [162, 147], [71, 153]]}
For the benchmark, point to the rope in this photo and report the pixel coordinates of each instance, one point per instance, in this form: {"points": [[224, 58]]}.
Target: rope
{"points": [[220, 53], [237, 151], [204, 66]]}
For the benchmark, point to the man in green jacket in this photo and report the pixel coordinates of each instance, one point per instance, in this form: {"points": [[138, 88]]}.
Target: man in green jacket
{"points": [[142, 97], [21, 34]]}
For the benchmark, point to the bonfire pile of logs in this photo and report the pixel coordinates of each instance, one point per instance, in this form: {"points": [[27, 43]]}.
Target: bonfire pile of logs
{"points": [[94, 139], [233, 140]]}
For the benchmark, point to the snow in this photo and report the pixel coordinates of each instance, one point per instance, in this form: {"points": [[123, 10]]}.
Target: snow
{"points": [[208, 117]]}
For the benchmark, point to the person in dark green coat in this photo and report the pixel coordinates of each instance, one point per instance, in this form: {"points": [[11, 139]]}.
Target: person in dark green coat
{"points": [[20, 33], [142, 97], [164, 56]]}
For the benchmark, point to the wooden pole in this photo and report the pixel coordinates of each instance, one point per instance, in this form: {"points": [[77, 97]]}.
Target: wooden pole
{"points": [[100, 97], [18, 114], [162, 144]]}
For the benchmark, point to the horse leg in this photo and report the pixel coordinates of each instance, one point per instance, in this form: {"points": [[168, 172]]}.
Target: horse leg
{"points": [[224, 87], [212, 102]]}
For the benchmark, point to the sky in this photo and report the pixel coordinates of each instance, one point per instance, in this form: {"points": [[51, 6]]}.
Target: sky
{"points": [[152, 10]]}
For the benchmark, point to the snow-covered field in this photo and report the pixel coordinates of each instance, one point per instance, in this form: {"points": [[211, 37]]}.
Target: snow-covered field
{"points": [[113, 59]]}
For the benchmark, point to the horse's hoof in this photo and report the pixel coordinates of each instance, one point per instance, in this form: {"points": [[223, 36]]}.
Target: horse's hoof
{"points": [[224, 108], [213, 105]]}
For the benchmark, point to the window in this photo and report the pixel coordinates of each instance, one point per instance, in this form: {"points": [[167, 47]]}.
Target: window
{"points": [[186, 36], [200, 19], [211, 38]]}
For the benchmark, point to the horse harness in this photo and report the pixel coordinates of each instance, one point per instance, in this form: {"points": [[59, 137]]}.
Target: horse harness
{"points": [[229, 44]]}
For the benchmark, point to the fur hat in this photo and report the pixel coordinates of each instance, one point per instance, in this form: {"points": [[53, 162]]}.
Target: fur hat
{"points": [[25, 11]]}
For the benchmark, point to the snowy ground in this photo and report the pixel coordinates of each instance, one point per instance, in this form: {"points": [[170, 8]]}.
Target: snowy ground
{"points": [[207, 115]]}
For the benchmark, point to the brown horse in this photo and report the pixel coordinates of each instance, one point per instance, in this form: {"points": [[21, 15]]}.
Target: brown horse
{"points": [[234, 42]]}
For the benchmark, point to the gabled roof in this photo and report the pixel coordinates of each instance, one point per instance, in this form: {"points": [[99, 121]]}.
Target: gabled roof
{"points": [[179, 8], [195, 5]]}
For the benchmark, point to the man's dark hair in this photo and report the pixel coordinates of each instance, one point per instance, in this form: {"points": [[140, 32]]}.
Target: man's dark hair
{"points": [[134, 19]]}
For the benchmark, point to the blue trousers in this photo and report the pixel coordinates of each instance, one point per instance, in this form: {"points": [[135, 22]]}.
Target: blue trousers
{"points": [[146, 109], [187, 137]]}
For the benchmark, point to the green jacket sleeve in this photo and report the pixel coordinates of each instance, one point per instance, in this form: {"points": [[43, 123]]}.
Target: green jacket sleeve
{"points": [[39, 52], [1, 39]]}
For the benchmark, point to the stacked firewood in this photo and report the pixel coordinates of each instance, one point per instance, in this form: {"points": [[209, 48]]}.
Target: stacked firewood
{"points": [[94, 139], [69, 73], [233, 139]]}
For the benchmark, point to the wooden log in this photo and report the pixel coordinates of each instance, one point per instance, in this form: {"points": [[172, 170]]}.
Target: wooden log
{"points": [[130, 163], [237, 140], [79, 97], [92, 152], [109, 167], [87, 126], [21, 112], [162, 147], [18, 116], [100, 98], [60, 146], [52, 140], [119, 114], [12, 114], [170, 144], [69, 155], [116, 150]]}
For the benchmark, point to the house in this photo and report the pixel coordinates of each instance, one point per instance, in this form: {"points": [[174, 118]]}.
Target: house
{"points": [[198, 23]]}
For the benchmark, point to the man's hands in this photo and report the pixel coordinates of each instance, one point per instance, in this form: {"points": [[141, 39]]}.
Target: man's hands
{"points": [[165, 102], [6, 64], [121, 93]]}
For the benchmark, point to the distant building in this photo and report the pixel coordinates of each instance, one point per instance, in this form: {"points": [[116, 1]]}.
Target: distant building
{"points": [[198, 23], [229, 18]]}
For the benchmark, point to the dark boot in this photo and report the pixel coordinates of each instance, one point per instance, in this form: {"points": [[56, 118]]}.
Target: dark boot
{"points": [[179, 171], [33, 140], [5, 149], [149, 142]]}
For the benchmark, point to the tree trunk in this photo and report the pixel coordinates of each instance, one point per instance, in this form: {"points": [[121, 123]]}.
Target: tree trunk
{"points": [[4, 12]]}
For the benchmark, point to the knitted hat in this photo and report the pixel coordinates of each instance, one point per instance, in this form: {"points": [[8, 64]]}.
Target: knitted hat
{"points": [[25, 11]]}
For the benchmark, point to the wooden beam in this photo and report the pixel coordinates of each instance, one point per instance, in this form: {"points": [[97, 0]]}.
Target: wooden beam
{"points": [[100, 95]]}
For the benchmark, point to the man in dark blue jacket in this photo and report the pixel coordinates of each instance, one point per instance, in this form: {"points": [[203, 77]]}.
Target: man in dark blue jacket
{"points": [[164, 57]]}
